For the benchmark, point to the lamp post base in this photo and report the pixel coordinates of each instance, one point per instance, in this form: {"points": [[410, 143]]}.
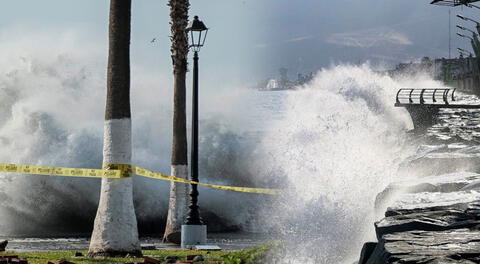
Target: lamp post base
{"points": [[193, 235]]}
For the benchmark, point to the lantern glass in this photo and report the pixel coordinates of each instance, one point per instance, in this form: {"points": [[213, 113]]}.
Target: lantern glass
{"points": [[198, 34]]}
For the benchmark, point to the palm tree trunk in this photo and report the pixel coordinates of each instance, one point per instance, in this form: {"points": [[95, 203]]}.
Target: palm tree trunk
{"points": [[115, 229], [178, 203]]}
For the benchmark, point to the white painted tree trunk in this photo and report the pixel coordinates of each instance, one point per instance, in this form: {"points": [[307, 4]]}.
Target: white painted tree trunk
{"points": [[115, 229], [178, 204]]}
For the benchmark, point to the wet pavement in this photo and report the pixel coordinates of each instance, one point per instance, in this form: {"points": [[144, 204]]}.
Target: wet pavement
{"points": [[457, 125], [226, 241]]}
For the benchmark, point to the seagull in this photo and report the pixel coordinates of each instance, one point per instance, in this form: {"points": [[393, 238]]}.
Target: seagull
{"points": [[153, 40]]}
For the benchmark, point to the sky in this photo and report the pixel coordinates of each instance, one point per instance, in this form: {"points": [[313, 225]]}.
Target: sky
{"points": [[226, 49], [250, 39], [320, 33]]}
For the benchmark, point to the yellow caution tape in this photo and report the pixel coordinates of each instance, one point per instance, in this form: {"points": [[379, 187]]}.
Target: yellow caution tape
{"points": [[151, 174], [125, 169], [118, 171], [59, 171]]}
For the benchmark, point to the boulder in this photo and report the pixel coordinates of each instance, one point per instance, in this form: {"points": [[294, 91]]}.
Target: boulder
{"points": [[198, 258], [445, 183], [171, 259], [438, 226], [410, 201], [429, 219], [366, 252], [149, 260], [10, 259], [441, 159], [452, 246]]}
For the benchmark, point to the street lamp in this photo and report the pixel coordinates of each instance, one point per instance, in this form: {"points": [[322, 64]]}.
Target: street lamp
{"points": [[198, 33], [194, 232]]}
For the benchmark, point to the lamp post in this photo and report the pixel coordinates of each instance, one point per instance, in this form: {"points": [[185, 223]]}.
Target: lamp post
{"points": [[194, 232]]}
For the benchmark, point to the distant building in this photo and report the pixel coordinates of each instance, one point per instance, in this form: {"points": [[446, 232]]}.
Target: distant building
{"points": [[284, 83], [461, 73]]}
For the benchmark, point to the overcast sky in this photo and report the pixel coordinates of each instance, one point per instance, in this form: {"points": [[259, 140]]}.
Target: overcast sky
{"points": [[253, 38], [312, 33]]}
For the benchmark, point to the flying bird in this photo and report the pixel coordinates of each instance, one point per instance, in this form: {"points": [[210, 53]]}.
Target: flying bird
{"points": [[153, 40]]}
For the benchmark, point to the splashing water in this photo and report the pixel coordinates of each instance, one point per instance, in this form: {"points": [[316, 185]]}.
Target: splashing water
{"points": [[52, 114], [332, 145], [339, 144]]}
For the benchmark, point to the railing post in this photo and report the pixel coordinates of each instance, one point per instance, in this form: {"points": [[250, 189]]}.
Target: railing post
{"points": [[434, 91], [422, 101], [453, 93], [398, 94], [410, 96]]}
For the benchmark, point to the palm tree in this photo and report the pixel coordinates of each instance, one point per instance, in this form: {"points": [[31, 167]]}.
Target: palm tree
{"points": [[178, 204], [115, 230]]}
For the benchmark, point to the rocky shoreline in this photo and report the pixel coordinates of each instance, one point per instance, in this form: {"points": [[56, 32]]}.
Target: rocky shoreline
{"points": [[433, 219]]}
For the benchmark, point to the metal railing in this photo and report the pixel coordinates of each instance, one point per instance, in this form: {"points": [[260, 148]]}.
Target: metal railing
{"points": [[452, 2], [425, 96]]}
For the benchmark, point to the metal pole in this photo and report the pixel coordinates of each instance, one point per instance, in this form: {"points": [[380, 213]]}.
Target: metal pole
{"points": [[193, 217]]}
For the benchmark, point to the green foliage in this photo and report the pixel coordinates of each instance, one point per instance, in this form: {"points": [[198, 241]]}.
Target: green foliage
{"points": [[44, 257], [447, 74], [259, 254]]}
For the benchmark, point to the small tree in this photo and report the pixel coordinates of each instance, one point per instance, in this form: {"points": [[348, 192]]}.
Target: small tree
{"points": [[115, 230]]}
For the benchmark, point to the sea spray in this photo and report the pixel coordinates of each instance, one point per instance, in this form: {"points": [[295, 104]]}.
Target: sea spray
{"points": [[332, 145], [52, 112], [340, 143]]}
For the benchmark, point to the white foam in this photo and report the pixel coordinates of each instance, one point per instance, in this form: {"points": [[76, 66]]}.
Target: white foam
{"points": [[339, 144]]}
